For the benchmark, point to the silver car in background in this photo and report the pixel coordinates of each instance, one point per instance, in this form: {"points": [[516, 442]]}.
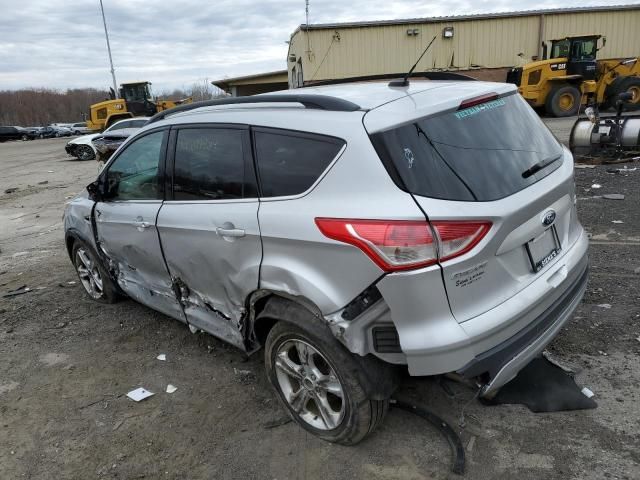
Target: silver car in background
{"points": [[351, 231]]}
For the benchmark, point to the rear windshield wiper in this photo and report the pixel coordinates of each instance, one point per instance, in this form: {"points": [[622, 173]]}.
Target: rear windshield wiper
{"points": [[536, 167]]}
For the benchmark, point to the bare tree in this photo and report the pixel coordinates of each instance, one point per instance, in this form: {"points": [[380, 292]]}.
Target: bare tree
{"points": [[31, 107]]}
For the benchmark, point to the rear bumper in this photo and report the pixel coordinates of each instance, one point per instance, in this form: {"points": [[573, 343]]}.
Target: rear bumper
{"points": [[499, 342], [504, 361]]}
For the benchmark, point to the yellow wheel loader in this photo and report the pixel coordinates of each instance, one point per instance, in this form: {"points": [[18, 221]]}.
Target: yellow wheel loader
{"points": [[135, 101], [572, 76]]}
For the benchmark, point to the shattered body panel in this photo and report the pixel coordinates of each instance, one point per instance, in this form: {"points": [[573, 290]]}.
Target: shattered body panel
{"points": [[128, 237], [107, 145]]}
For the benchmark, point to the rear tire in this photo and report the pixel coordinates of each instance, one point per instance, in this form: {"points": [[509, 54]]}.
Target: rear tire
{"points": [[93, 277], [320, 388], [563, 101]]}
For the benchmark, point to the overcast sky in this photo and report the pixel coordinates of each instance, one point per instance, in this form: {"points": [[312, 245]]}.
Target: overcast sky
{"points": [[60, 43]]}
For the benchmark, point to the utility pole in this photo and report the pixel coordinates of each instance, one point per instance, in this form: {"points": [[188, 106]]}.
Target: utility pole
{"points": [[306, 12], [106, 34]]}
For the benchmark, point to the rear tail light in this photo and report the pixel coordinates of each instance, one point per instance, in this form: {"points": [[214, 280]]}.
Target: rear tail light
{"points": [[402, 245], [457, 238]]}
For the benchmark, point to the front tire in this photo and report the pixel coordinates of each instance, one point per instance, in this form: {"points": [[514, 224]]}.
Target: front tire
{"points": [[92, 275], [85, 152], [316, 380], [563, 101], [632, 86]]}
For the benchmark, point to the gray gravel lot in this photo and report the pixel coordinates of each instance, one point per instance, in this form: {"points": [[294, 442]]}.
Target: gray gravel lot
{"points": [[66, 363]]}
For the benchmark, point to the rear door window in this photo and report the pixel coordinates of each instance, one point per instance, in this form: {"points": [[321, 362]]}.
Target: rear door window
{"points": [[211, 164], [484, 152], [289, 163]]}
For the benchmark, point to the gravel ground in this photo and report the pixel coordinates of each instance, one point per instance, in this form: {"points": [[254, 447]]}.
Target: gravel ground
{"points": [[67, 362]]}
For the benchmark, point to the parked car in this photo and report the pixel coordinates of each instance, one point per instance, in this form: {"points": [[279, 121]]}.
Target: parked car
{"points": [[107, 143], [82, 147], [61, 131], [79, 128], [33, 132], [13, 133], [350, 231], [48, 132]]}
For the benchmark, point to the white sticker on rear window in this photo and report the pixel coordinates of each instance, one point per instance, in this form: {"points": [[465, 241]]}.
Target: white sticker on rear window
{"points": [[483, 107]]}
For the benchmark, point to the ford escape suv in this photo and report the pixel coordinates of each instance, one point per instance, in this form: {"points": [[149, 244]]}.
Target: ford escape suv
{"points": [[349, 230]]}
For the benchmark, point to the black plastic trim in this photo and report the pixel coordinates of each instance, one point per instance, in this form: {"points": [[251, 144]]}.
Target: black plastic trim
{"points": [[386, 339]]}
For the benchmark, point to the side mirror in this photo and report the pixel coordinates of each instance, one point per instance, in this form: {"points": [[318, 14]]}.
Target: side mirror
{"points": [[94, 191]]}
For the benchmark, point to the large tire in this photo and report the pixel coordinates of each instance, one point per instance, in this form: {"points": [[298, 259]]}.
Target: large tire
{"points": [[316, 380], [563, 101], [92, 275]]}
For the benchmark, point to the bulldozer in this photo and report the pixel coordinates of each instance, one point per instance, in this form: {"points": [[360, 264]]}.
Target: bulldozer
{"points": [[135, 100], [572, 76]]}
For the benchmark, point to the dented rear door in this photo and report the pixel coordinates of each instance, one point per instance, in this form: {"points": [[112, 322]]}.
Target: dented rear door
{"points": [[209, 226], [126, 223]]}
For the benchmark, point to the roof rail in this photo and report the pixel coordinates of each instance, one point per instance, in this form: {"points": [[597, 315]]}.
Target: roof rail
{"points": [[319, 102], [439, 75]]}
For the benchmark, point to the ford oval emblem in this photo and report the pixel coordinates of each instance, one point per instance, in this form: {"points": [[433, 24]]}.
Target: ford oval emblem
{"points": [[548, 218]]}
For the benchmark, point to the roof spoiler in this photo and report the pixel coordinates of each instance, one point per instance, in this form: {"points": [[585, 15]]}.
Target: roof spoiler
{"points": [[318, 102]]}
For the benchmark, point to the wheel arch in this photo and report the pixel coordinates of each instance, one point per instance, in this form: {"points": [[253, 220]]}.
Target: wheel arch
{"points": [[379, 379], [267, 307]]}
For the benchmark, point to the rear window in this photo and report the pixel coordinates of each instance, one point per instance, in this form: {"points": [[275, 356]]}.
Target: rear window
{"points": [[481, 153], [289, 163]]}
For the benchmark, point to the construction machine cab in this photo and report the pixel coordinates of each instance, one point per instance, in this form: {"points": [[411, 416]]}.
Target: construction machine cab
{"points": [[138, 98], [580, 53]]}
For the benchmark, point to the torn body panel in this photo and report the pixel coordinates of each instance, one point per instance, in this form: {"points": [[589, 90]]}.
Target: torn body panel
{"points": [[213, 250], [128, 238], [77, 220]]}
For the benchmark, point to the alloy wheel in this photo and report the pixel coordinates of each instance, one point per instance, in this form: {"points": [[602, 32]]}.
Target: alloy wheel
{"points": [[88, 273], [85, 152], [310, 384]]}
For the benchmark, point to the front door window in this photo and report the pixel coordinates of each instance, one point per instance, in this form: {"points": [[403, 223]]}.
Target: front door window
{"points": [[133, 175]]}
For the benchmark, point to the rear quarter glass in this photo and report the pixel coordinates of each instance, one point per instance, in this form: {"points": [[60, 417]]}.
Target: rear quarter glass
{"points": [[477, 153]]}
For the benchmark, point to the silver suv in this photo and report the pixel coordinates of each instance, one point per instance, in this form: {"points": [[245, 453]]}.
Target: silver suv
{"points": [[352, 231]]}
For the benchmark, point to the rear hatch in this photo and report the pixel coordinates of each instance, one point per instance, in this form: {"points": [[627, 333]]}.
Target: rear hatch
{"points": [[487, 157]]}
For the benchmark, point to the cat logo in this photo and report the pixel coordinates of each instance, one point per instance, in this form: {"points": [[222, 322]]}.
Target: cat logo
{"points": [[559, 66]]}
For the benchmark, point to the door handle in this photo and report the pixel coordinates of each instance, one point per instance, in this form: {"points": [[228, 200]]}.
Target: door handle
{"points": [[230, 232], [140, 224]]}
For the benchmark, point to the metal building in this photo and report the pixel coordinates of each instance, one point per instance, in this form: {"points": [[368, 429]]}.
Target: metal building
{"points": [[483, 46], [253, 84]]}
